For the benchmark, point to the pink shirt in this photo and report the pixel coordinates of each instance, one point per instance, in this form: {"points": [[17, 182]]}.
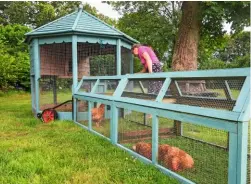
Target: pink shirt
{"points": [[150, 52]]}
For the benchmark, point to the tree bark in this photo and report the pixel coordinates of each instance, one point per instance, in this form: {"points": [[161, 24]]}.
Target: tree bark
{"points": [[186, 46]]}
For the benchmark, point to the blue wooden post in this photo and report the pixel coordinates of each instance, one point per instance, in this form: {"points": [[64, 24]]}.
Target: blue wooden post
{"points": [[163, 90], [74, 63], [118, 54], [242, 152], [95, 87], [114, 124], [37, 73], [89, 115], [232, 158], [155, 139], [74, 72], [75, 110], [120, 88]]}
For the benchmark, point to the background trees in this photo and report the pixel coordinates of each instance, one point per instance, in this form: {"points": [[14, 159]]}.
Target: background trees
{"points": [[159, 24], [192, 41], [18, 18]]}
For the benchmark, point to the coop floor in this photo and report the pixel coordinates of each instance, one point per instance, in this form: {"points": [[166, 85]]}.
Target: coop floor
{"points": [[211, 163]]}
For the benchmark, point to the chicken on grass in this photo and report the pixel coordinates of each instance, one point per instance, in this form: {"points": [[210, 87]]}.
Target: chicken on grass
{"points": [[172, 157], [98, 114]]}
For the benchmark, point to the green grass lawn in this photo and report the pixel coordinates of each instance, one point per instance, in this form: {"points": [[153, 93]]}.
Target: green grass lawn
{"points": [[211, 163], [61, 152], [46, 97]]}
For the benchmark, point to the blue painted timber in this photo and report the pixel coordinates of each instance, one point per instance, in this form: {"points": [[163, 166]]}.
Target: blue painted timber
{"points": [[208, 112], [234, 122]]}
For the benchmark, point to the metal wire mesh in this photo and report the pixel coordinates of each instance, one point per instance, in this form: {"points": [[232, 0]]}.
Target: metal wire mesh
{"points": [[134, 127], [56, 60], [126, 56], [196, 160], [214, 137], [56, 76], [82, 112], [147, 89], [107, 87], [101, 114], [101, 58], [87, 86], [54, 91], [213, 93]]}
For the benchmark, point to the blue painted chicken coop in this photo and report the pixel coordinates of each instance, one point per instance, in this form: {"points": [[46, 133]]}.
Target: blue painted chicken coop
{"points": [[201, 118], [68, 48]]}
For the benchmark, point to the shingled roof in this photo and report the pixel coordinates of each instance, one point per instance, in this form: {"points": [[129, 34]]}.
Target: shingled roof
{"points": [[79, 22]]}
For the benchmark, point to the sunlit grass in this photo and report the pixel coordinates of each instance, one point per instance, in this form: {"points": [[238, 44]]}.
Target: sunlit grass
{"points": [[61, 152]]}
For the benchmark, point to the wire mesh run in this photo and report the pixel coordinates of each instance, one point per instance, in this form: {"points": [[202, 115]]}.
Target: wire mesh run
{"points": [[56, 76], [101, 115], [211, 136], [133, 128], [213, 93], [107, 87], [55, 91], [56, 60], [198, 161], [100, 59], [126, 57], [82, 112], [87, 86], [147, 89]]}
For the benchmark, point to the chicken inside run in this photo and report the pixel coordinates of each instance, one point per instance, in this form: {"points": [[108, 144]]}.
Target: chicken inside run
{"points": [[194, 126], [194, 151], [196, 148]]}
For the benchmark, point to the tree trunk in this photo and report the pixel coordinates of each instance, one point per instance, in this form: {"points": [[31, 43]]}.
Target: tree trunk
{"points": [[186, 46]]}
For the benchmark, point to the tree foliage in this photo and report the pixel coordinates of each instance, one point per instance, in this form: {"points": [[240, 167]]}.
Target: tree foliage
{"points": [[38, 13], [14, 57], [153, 23], [156, 23], [232, 52], [16, 19]]}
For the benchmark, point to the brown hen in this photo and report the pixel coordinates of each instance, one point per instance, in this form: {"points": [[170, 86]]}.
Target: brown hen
{"points": [[175, 158], [172, 157], [98, 114], [144, 149]]}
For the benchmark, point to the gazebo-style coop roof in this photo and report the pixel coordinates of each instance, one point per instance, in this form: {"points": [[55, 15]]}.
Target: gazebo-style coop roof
{"points": [[82, 23], [76, 45]]}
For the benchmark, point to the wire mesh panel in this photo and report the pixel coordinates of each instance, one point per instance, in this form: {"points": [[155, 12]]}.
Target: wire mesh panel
{"points": [[201, 133], [87, 86], [107, 87], [56, 59], [126, 57], [101, 115], [99, 59], [82, 112], [143, 88], [197, 161], [55, 91], [135, 128], [56, 76], [218, 93]]}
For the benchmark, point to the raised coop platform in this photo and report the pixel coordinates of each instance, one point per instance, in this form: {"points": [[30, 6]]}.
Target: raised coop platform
{"points": [[202, 113]]}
